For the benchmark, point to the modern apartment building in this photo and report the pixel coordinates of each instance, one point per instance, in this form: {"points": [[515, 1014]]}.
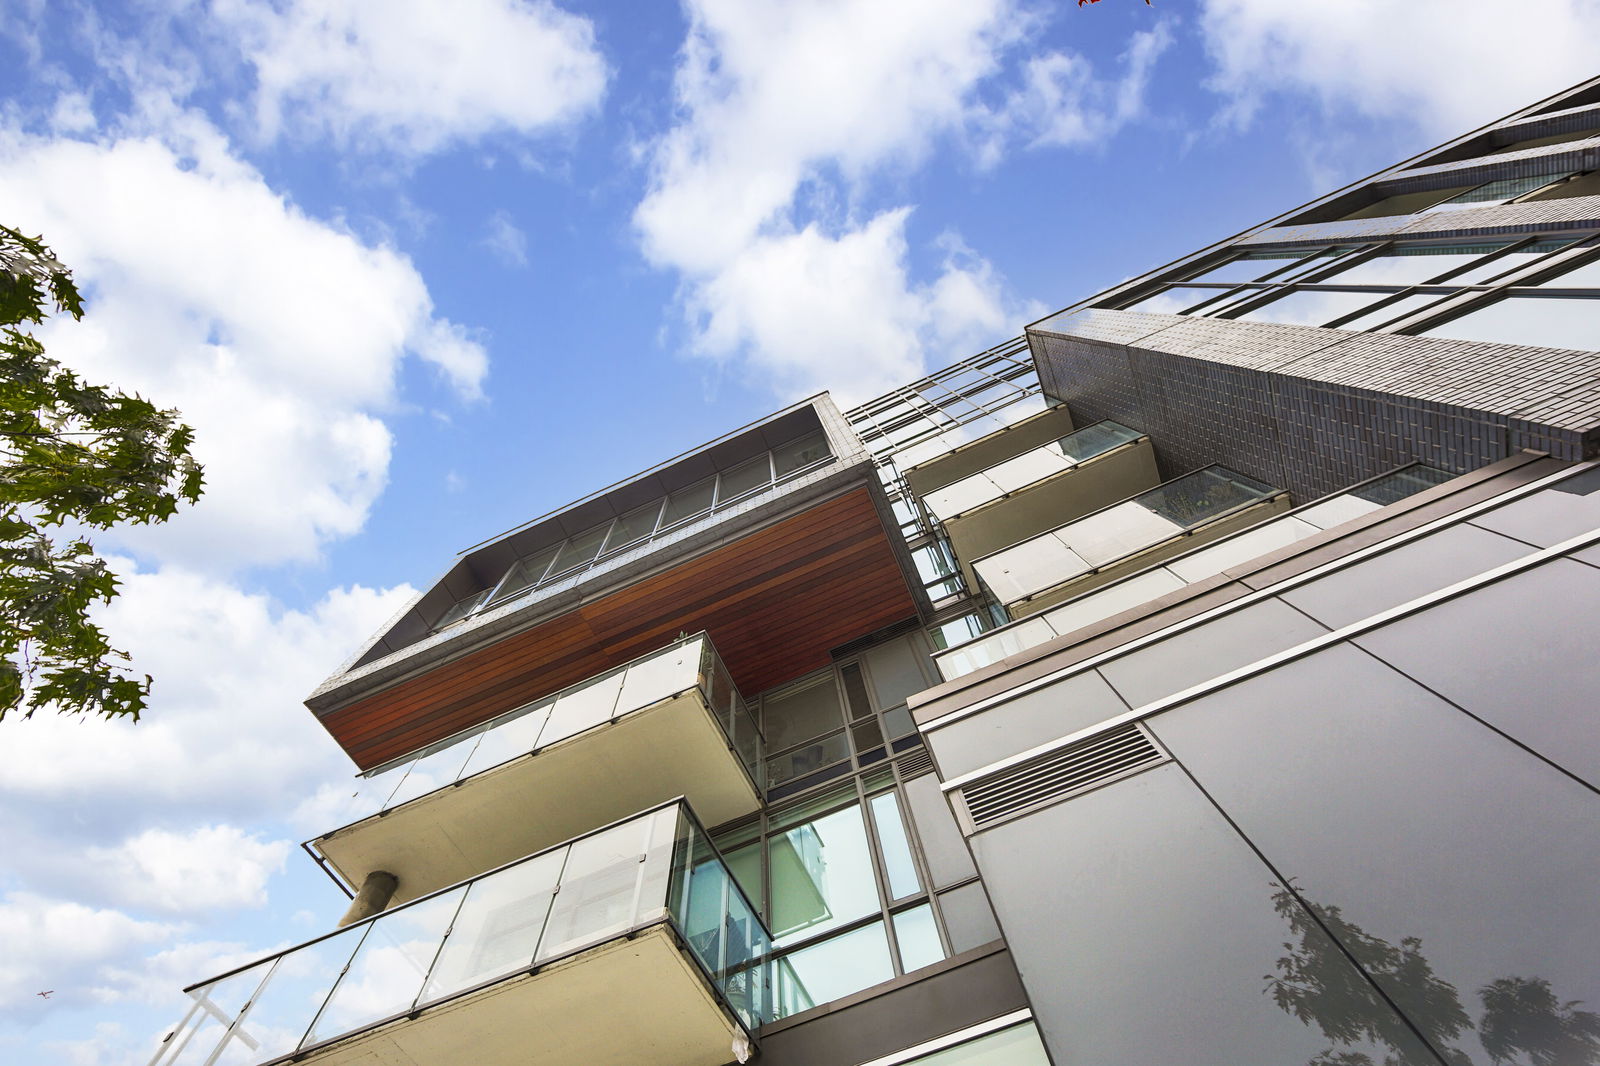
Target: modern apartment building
{"points": [[1205, 677]]}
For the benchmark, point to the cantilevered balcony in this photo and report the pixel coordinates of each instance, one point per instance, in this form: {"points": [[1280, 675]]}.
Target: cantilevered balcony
{"points": [[1114, 541], [1043, 487], [631, 944], [1158, 579], [668, 724]]}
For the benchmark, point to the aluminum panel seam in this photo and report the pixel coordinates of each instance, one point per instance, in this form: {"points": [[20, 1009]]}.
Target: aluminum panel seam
{"points": [[1259, 595], [1299, 651]]}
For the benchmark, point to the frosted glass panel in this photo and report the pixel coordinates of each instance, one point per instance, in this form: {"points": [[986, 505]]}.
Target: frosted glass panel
{"points": [[582, 708], [498, 928], [509, 739]]}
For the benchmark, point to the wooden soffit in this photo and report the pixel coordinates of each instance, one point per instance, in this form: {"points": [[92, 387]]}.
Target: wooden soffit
{"points": [[775, 603]]}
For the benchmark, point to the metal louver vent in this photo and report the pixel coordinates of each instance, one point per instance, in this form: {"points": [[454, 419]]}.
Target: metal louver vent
{"points": [[915, 762], [1054, 776]]}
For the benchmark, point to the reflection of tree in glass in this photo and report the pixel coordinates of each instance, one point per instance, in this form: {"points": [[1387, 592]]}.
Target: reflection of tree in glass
{"points": [[1316, 983], [1523, 1022], [1522, 1014]]}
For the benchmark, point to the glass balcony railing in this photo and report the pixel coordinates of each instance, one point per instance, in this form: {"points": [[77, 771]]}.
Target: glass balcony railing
{"points": [[666, 724], [1031, 467], [1096, 549], [513, 967], [1158, 580]]}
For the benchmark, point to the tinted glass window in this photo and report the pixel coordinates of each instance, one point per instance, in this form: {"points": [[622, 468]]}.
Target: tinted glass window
{"points": [[796, 714], [685, 503], [789, 457], [747, 477]]}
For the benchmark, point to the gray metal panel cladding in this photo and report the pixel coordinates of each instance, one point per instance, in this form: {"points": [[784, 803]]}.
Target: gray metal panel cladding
{"points": [[1059, 774]]}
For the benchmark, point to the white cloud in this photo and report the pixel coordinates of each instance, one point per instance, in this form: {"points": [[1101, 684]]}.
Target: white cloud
{"points": [[1443, 65], [206, 868], [508, 243], [840, 311], [57, 946], [786, 114], [226, 734], [107, 823], [1063, 102], [415, 76], [278, 336], [772, 91]]}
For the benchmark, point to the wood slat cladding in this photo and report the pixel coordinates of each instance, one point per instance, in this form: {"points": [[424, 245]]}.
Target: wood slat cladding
{"points": [[774, 603]]}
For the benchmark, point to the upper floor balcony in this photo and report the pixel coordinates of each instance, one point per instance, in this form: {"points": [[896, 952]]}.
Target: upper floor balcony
{"points": [[1161, 578], [631, 944], [667, 724], [1114, 541], [778, 540], [1039, 489]]}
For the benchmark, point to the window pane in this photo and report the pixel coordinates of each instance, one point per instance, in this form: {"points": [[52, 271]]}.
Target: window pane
{"points": [[686, 503], [1411, 264], [1498, 192], [1529, 320], [746, 477], [899, 722], [798, 453], [581, 549], [855, 690], [897, 862], [802, 712], [822, 876], [1018, 1046], [1311, 308], [866, 735], [1172, 301], [803, 760], [895, 670], [460, 609], [834, 969], [1248, 268], [744, 863], [634, 526], [918, 938], [1094, 440], [526, 573]]}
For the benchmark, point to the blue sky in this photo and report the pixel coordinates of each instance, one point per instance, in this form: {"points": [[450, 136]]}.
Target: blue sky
{"points": [[417, 272]]}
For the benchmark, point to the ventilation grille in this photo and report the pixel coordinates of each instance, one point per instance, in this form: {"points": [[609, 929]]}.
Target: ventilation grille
{"points": [[914, 763], [1076, 768]]}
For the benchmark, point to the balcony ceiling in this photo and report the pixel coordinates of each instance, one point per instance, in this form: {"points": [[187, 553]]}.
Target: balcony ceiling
{"points": [[774, 602]]}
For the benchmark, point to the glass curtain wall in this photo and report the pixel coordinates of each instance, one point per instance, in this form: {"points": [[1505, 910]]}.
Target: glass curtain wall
{"points": [[848, 716], [861, 881], [927, 418], [1528, 290], [589, 547]]}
